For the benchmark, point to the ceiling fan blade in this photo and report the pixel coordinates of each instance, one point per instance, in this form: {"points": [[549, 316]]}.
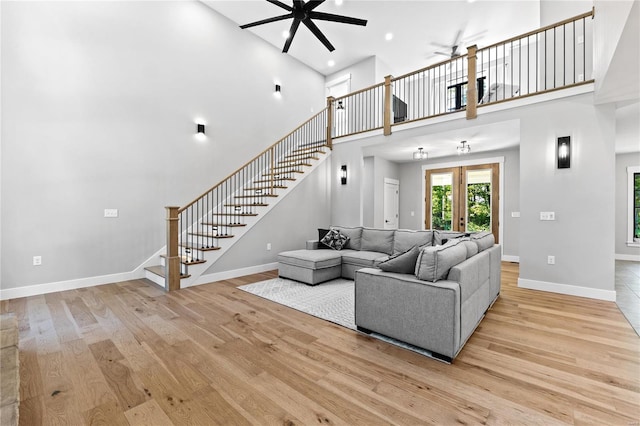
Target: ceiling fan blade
{"points": [[266, 21], [292, 32], [337, 18], [316, 31], [312, 4], [282, 5], [448, 55], [458, 38]]}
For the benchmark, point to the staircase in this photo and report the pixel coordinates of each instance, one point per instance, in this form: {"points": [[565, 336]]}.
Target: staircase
{"points": [[199, 233]]}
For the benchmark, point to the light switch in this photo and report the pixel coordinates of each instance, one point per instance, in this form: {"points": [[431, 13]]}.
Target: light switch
{"points": [[515, 214], [110, 212], [547, 216]]}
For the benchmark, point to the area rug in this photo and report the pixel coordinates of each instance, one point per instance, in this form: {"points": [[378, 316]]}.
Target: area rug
{"points": [[331, 301]]}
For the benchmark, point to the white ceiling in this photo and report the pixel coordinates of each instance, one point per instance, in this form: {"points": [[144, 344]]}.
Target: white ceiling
{"points": [[416, 25]]}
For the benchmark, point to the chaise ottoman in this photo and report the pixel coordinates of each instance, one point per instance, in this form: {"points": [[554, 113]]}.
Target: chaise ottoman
{"points": [[310, 266]]}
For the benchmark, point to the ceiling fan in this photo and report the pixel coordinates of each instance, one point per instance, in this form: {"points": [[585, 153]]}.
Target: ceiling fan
{"points": [[454, 47], [304, 12]]}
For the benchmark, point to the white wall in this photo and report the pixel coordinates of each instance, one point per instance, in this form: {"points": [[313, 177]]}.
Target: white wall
{"points": [[622, 206], [582, 197], [363, 74], [99, 106]]}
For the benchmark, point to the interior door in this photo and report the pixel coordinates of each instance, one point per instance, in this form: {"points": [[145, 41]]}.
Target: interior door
{"points": [[464, 199], [391, 203]]}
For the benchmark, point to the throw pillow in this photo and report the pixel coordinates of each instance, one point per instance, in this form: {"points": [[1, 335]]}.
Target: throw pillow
{"points": [[402, 263], [335, 240], [434, 263], [484, 240], [354, 235], [321, 233]]}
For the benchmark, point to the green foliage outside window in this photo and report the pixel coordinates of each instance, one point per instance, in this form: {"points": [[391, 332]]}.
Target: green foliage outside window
{"points": [[479, 206], [441, 207]]}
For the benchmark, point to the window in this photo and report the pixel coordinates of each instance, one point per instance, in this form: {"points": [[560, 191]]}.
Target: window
{"points": [[633, 187]]}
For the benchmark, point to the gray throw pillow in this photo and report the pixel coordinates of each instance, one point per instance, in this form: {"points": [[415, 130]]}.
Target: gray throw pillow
{"points": [[402, 263], [335, 240], [434, 263], [483, 240]]}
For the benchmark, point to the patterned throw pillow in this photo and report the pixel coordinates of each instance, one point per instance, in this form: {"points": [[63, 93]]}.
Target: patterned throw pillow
{"points": [[335, 240]]}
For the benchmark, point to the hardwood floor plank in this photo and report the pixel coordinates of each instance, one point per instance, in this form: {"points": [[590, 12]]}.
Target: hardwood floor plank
{"points": [[117, 373], [147, 413], [213, 354]]}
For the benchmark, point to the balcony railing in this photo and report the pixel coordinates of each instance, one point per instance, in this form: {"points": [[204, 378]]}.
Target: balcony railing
{"points": [[551, 58]]}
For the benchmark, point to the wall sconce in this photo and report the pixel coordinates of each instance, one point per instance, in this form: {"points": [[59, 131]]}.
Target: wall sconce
{"points": [[564, 152], [278, 88], [200, 128], [343, 174]]}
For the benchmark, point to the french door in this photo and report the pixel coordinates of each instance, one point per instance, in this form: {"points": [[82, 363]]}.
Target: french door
{"points": [[464, 199]]}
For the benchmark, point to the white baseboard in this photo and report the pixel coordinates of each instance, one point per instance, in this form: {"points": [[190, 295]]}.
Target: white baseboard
{"points": [[507, 258], [38, 289], [234, 273], [631, 257], [571, 290]]}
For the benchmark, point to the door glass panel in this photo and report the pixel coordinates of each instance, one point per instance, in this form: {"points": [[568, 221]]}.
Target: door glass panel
{"points": [[441, 201], [478, 189]]}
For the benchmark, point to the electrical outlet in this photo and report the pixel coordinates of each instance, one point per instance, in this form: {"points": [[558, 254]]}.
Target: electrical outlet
{"points": [[551, 260], [37, 260], [515, 214], [268, 246], [110, 212]]}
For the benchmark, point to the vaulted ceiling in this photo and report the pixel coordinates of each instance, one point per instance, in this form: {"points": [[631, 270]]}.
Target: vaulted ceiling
{"points": [[419, 28]]}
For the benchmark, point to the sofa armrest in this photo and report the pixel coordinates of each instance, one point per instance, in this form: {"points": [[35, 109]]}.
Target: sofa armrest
{"points": [[312, 244]]}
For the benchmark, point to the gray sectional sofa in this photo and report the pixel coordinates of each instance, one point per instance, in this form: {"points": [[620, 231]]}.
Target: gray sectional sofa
{"points": [[426, 288]]}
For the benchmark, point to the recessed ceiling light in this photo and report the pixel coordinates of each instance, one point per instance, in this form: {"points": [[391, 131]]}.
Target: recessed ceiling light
{"points": [[331, 62], [388, 36], [338, 2], [285, 34]]}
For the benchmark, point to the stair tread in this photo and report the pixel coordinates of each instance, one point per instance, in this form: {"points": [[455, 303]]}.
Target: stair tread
{"points": [[293, 164], [282, 173], [246, 205], [256, 196], [159, 270], [235, 214], [206, 234], [184, 260], [224, 225], [198, 247], [275, 179], [298, 158], [262, 188]]}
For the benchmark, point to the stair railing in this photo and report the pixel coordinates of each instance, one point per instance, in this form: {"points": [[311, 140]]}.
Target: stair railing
{"points": [[199, 226]]}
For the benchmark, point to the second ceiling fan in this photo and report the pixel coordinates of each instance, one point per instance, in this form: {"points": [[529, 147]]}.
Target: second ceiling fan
{"points": [[304, 12]]}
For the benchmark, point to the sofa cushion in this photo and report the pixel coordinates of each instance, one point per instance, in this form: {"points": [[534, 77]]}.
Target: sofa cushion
{"points": [[471, 246], [311, 259], [441, 237], [335, 240], [404, 240], [354, 234], [380, 240], [403, 263], [363, 258], [434, 263], [484, 240]]}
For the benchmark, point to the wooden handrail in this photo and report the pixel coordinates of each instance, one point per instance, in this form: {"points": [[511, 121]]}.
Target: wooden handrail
{"points": [[540, 30], [357, 92], [427, 68], [250, 161]]}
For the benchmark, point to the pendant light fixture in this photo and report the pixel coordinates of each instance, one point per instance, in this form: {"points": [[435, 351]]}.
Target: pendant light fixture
{"points": [[420, 154], [464, 148]]}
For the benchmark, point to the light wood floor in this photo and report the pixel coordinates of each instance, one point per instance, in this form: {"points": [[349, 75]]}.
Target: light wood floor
{"points": [[127, 353]]}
